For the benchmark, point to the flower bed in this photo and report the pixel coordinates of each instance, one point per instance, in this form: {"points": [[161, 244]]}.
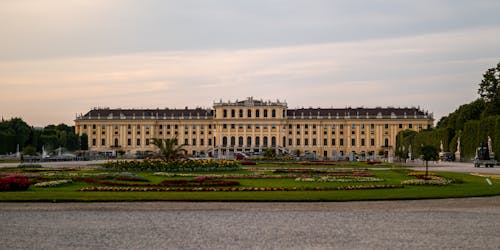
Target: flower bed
{"points": [[15, 182], [175, 165], [339, 179], [235, 189], [170, 183], [52, 183], [431, 180]]}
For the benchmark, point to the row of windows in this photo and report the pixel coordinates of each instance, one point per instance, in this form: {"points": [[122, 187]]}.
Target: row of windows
{"points": [[290, 126], [265, 113]]}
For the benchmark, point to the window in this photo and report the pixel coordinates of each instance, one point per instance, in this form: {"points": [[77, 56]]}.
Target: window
{"points": [[193, 142], [249, 113], [362, 126], [265, 141], [314, 141], [341, 126], [400, 125], [325, 142], [410, 125], [386, 125], [186, 142], [93, 142], [290, 142], [273, 113], [265, 112], [241, 113], [240, 141], [138, 142], [306, 142], [341, 142], [273, 141], [224, 126], [353, 126], [209, 142], [257, 113], [353, 142], [147, 142], [386, 142], [333, 142], [224, 113], [232, 113], [232, 126], [298, 142], [372, 142], [233, 141], [362, 142], [103, 142], [129, 142], [372, 126], [224, 141], [306, 126], [85, 126], [257, 141], [290, 126], [168, 126], [419, 126], [202, 142], [249, 141], [93, 126]]}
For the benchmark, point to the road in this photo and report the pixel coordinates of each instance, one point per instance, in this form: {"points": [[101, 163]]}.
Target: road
{"points": [[471, 223]]}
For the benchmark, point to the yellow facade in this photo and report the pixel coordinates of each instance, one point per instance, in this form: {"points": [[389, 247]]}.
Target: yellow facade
{"points": [[253, 125]]}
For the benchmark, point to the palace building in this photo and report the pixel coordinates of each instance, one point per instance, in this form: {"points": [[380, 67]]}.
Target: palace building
{"points": [[250, 126]]}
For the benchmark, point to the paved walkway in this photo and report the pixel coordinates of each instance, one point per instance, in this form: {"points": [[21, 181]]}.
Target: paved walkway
{"points": [[459, 167], [471, 223]]}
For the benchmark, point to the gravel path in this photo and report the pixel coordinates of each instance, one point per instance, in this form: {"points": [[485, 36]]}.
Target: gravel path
{"points": [[472, 223]]}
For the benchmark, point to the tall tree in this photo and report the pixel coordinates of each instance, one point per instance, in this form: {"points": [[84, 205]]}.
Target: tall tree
{"points": [[489, 90]]}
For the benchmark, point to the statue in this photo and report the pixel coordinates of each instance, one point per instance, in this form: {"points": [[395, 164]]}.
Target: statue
{"points": [[44, 153], [458, 153], [490, 148], [441, 146]]}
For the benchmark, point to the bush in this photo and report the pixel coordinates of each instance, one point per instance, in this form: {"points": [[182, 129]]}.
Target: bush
{"points": [[14, 183]]}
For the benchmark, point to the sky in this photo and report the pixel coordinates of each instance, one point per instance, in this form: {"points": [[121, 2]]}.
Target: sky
{"points": [[63, 58]]}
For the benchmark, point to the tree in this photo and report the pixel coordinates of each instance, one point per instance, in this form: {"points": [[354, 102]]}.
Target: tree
{"points": [[29, 150], [269, 153], [490, 85], [428, 153], [169, 148], [84, 142], [489, 90]]}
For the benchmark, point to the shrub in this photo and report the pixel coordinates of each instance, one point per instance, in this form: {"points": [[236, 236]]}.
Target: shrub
{"points": [[14, 183]]}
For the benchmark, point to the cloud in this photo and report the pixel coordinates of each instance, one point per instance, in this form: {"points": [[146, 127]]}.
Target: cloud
{"points": [[436, 71]]}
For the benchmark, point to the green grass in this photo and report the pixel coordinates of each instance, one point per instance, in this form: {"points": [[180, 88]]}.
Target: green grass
{"points": [[465, 186]]}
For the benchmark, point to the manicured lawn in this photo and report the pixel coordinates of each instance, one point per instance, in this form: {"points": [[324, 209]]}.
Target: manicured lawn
{"points": [[464, 185]]}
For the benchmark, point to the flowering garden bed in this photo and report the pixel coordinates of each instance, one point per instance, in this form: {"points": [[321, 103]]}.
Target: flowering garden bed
{"points": [[174, 165], [226, 181]]}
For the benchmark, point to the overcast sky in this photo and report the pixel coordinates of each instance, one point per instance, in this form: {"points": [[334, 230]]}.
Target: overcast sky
{"points": [[63, 57]]}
